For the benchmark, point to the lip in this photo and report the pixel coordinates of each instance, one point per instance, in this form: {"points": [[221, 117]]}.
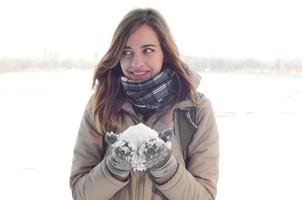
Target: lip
{"points": [[140, 75]]}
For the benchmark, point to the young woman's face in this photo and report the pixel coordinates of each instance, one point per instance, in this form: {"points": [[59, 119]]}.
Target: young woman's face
{"points": [[142, 57]]}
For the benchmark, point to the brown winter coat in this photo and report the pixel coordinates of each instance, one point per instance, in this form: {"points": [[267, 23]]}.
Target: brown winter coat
{"points": [[90, 179]]}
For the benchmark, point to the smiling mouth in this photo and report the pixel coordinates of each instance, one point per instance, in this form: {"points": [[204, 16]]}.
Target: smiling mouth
{"points": [[138, 73]]}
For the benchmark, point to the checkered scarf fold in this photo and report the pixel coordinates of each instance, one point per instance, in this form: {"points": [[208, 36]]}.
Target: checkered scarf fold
{"points": [[152, 94]]}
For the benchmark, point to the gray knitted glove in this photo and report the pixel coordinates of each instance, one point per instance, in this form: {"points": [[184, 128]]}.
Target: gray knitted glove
{"points": [[155, 152], [158, 157], [119, 160]]}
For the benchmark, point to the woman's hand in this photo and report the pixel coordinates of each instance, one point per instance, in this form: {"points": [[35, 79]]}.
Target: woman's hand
{"points": [[119, 160], [157, 157], [154, 153]]}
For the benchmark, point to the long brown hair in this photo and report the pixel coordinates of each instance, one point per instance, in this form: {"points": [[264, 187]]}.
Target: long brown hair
{"points": [[106, 102]]}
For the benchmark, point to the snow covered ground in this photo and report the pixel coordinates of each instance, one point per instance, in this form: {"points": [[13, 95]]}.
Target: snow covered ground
{"points": [[259, 119]]}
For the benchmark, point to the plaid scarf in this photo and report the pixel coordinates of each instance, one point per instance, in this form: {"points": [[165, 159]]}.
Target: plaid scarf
{"points": [[153, 94]]}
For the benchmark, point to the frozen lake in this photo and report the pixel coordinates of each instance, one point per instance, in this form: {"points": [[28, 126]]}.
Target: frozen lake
{"points": [[259, 119]]}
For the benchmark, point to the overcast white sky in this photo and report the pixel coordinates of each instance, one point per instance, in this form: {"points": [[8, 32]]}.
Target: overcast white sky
{"points": [[263, 29]]}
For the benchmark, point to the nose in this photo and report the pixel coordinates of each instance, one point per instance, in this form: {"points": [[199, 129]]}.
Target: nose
{"points": [[137, 61]]}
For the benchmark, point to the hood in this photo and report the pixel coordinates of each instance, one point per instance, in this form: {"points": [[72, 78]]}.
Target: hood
{"points": [[196, 77], [186, 104]]}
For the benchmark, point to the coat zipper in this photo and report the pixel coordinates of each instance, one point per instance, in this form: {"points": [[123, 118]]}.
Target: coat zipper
{"points": [[137, 186]]}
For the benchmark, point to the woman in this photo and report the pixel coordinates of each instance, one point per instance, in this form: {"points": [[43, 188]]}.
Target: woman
{"points": [[141, 79]]}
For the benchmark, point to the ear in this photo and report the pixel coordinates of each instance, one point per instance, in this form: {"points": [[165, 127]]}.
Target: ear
{"points": [[111, 138], [166, 135]]}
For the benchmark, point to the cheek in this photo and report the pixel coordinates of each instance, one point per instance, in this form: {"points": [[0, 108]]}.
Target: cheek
{"points": [[157, 67], [158, 63]]}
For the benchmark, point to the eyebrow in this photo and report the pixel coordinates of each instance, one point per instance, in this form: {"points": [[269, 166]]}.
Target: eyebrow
{"points": [[148, 45], [143, 46]]}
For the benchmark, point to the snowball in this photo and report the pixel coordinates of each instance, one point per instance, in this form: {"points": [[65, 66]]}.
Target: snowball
{"points": [[138, 134]]}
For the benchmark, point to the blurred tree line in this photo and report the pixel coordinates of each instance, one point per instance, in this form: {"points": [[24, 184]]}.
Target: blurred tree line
{"points": [[32, 64], [249, 65], [199, 64]]}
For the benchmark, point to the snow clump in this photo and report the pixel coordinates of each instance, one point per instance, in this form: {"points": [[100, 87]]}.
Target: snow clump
{"points": [[136, 136]]}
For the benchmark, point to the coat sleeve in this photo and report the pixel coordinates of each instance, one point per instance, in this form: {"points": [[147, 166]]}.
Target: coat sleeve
{"points": [[199, 180], [90, 179]]}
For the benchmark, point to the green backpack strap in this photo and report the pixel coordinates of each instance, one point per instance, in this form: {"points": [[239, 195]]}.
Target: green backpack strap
{"points": [[187, 126]]}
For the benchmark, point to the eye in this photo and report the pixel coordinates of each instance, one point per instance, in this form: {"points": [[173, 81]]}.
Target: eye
{"points": [[148, 51], [126, 53]]}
